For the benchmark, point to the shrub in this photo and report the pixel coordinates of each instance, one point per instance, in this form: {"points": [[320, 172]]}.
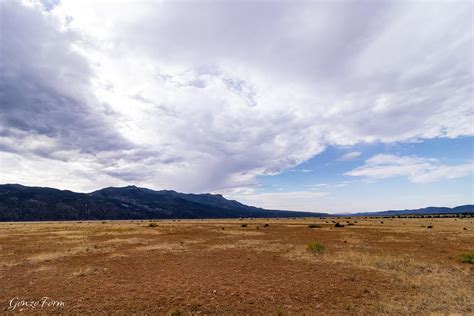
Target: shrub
{"points": [[279, 311], [430, 226], [266, 225], [350, 224], [315, 247], [153, 225], [243, 225], [467, 257], [314, 226], [176, 312], [338, 225]]}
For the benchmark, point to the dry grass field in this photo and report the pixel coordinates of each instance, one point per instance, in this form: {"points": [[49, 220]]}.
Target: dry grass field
{"points": [[375, 266]]}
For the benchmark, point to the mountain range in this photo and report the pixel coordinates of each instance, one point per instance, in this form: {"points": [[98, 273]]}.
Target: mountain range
{"points": [[426, 210], [22, 203]]}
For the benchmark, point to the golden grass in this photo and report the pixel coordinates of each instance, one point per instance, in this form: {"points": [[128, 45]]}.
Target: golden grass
{"points": [[50, 256], [242, 232], [435, 287], [250, 245]]}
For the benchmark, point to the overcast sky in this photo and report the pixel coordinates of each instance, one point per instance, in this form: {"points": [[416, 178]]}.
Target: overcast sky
{"points": [[302, 105]]}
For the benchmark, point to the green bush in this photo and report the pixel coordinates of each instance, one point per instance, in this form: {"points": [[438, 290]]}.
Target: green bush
{"points": [[467, 257], [315, 247]]}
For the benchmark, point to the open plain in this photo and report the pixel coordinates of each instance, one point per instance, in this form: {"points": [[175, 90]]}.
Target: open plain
{"points": [[234, 267]]}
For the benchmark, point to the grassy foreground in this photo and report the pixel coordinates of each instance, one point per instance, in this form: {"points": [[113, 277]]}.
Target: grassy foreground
{"points": [[271, 267]]}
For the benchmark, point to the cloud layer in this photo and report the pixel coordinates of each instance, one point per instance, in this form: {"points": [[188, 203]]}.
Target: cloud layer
{"points": [[417, 170], [205, 96]]}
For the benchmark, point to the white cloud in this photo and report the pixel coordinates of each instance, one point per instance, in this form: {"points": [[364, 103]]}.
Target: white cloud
{"points": [[417, 170], [205, 96], [302, 170], [295, 201], [350, 156]]}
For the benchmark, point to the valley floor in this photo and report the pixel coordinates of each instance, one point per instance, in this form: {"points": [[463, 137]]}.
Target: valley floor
{"points": [[219, 267]]}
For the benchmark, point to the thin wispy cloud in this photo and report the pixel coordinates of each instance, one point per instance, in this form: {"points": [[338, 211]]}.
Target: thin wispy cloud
{"points": [[302, 170], [350, 156], [416, 169]]}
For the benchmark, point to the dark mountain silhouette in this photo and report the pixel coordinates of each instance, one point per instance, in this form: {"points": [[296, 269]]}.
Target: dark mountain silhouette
{"points": [[22, 203], [420, 211]]}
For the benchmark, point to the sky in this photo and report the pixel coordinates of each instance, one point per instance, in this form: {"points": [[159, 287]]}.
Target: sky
{"points": [[327, 106]]}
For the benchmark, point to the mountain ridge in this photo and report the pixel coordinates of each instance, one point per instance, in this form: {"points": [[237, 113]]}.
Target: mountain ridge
{"points": [[23, 203], [467, 208]]}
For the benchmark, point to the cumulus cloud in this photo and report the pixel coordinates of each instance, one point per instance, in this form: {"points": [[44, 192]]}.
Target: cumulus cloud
{"points": [[417, 170], [47, 105], [205, 96]]}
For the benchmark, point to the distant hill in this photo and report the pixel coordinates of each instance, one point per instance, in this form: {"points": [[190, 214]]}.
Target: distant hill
{"points": [[419, 211], [22, 203]]}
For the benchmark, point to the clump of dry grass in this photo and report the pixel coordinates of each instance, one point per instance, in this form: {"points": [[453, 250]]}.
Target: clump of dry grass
{"points": [[176, 312], [315, 247]]}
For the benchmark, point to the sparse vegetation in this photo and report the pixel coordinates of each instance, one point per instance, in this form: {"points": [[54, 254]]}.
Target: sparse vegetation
{"points": [[266, 225], [153, 225], [338, 225], [279, 311], [176, 312], [363, 257], [315, 247], [467, 257], [243, 225], [314, 226]]}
